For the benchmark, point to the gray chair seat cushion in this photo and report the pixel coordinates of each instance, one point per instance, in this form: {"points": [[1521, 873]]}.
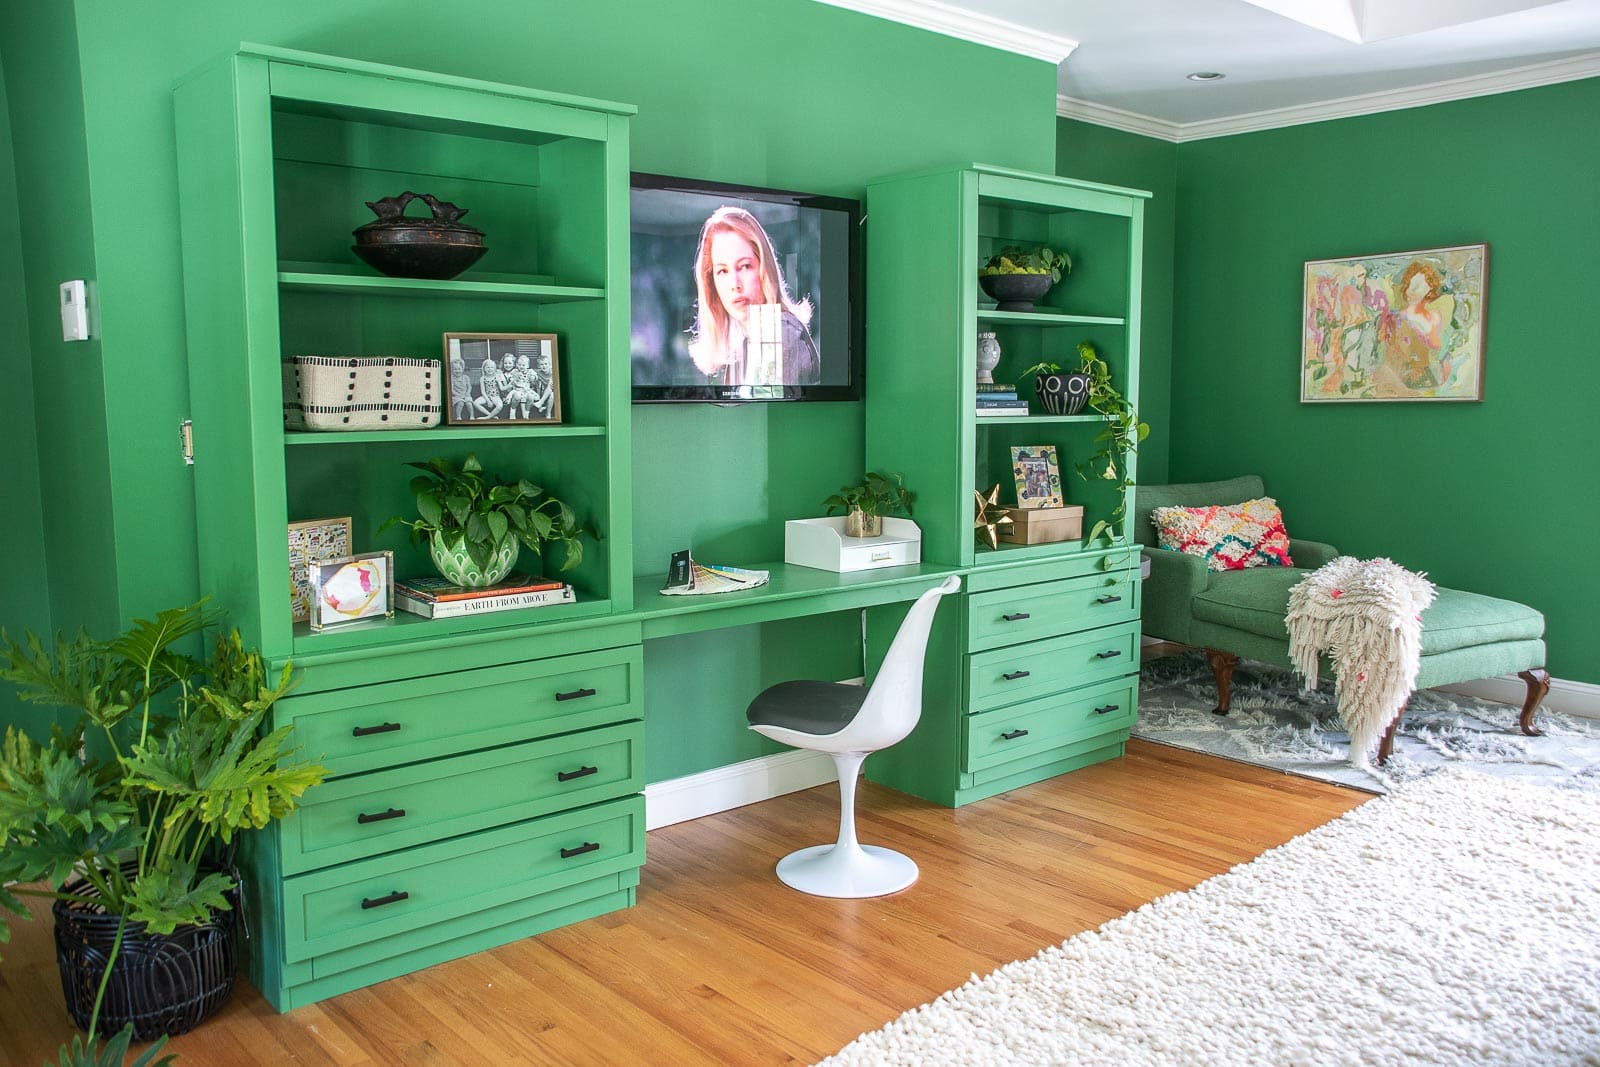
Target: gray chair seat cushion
{"points": [[1257, 600], [816, 708]]}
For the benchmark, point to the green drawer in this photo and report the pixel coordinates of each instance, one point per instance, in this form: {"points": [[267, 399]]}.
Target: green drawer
{"points": [[995, 738], [403, 892], [1017, 673], [1049, 609], [353, 818], [1009, 576], [371, 727]]}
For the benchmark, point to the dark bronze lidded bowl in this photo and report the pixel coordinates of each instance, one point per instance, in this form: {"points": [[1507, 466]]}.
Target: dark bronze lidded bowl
{"points": [[411, 247]]}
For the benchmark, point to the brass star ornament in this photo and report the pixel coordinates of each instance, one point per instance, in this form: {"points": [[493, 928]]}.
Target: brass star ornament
{"points": [[991, 516]]}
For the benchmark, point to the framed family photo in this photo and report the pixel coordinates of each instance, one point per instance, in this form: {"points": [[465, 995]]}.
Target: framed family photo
{"points": [[501, 378], [1038, 476], [351, 588], [309, 542], [1395, 326]]}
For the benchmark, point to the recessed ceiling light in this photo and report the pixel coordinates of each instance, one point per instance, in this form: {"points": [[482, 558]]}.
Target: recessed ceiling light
{"points": [[1205, 76]]}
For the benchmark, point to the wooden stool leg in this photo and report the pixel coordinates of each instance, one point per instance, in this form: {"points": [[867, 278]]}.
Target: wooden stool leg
{"points": [[1386, 746], [1222, 665], [1538, 680]]}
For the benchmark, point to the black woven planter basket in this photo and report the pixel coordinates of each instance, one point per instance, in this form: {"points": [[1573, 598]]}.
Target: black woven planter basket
{"points": [[162, 983]]}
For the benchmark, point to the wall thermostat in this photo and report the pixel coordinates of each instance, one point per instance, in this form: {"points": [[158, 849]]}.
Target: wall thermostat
{"points": [[74, 312]]}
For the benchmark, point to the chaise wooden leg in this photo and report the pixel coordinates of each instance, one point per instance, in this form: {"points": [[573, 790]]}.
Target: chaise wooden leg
{"points": [[1538, 680], [1386, 746], [1222, 665]]}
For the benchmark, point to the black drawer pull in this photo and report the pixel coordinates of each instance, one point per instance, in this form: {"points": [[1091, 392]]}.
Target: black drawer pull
{"points": [[1017, 617], [1107, 600], [1111, 653], [1107, 710], [581, 772], [576, 694], [381, 728], [1012, 735], [392, 813], [392, 898], [587, 846], [1014, 675]]}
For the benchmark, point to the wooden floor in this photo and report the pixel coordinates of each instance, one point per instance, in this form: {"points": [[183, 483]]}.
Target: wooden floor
{"points": [[720, 963]]}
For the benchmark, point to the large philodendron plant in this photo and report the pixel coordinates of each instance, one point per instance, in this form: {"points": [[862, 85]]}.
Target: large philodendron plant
{"points": [[1120, 438], [143, 796]]}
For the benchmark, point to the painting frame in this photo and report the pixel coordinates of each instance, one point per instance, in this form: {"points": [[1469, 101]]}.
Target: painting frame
{"points": [[313, 539], [329, 579], [471, 400], [1036, 469], [1395, 327]]}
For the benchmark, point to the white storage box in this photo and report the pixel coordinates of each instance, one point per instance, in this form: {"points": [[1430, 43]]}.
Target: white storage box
{"points": [[360, 393], [822, 543]]}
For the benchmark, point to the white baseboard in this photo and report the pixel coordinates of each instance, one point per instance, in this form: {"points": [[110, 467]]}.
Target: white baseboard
{"points": [[1568, 698], [721, 788]]}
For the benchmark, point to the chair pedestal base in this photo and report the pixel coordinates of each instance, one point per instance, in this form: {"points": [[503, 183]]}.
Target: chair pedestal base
{"points": [[847, 870]]}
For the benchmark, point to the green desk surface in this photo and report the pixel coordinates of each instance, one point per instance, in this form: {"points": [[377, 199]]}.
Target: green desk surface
{"points": [[791, 591]]}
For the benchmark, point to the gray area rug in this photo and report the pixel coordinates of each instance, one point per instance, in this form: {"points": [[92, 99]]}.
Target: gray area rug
{"points": [[1449, 923], [1273, 724]]}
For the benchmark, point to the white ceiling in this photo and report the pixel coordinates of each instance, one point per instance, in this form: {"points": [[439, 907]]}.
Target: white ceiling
{"points": [[1122, 62]]}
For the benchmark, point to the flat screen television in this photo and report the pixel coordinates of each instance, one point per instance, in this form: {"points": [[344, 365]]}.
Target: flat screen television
{"points": [[743, 294]]}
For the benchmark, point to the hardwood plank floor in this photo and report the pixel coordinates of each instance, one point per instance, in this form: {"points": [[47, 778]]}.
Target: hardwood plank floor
{"points": [[720, 963]]}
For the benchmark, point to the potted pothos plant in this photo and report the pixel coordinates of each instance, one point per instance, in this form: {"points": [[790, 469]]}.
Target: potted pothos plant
{"points": [[868, 501], [475, 523], [1119, 440], [1017, 276], [128, 819]]}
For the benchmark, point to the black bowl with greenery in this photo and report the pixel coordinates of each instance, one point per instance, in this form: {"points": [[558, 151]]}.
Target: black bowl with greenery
{"points": [[1015, 292]]}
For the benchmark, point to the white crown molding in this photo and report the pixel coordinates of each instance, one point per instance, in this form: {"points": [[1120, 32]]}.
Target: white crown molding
{"points": [[966, 25], [1532, 76]]}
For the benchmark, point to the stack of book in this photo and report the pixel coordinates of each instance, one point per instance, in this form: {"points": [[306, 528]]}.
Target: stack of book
{"points": [[997, 399], [435, 598]]}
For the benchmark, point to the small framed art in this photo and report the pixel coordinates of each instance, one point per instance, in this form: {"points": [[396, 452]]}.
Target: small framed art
{"points": [[1038, 476], [501, 378], [351, 588], [316, 539]]}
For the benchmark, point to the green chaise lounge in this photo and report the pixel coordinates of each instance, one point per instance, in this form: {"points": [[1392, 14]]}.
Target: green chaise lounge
{"points": [[1230, 614]]}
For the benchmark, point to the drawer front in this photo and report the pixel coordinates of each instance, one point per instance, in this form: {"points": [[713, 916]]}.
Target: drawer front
{"points": [[405, 891], [1016, 673], [376, 726], [353, 818], [995, 738], [1049, 609], [1009, 576]]}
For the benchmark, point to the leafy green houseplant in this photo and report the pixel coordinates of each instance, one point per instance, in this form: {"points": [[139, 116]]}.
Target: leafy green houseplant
{"points": [[868, 501], [1119, 440], [475, 523], [1015, 276], [140, 802]]}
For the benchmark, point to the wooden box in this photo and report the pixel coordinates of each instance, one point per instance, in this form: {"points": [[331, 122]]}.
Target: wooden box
{"points": [[1038, 526]]}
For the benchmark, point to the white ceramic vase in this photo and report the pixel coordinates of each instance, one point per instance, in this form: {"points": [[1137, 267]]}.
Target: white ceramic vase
{"points": [[988, 357]]}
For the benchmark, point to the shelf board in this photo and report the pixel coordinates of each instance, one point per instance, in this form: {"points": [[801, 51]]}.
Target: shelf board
{"points": [[437, 433], [404, 627], [334, 278], [1046, 318], [1032, 420]]}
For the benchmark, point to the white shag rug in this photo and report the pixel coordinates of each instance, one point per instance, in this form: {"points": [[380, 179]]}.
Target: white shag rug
{"points": [[1456, 921]]}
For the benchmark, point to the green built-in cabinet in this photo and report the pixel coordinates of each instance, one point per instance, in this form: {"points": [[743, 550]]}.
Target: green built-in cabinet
{"points": [[485, 774], [1035, 671]]}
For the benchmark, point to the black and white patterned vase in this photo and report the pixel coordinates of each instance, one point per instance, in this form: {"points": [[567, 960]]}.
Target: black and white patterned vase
{"points": [[1062, 394]]}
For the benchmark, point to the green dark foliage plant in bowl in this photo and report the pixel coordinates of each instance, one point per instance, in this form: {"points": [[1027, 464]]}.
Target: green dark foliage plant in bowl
{"points": [[130, 816], [868, 501], [475, 523], [1015, 277]]}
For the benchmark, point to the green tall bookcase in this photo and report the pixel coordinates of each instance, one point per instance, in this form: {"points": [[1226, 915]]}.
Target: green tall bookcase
{"points": [[1034, 670], [485, 773]]}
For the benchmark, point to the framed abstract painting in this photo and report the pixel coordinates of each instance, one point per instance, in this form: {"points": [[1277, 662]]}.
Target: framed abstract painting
{"points": [[1395, 326]]}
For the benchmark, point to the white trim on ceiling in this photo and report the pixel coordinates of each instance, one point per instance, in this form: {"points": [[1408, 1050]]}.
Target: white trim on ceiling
{"points": [[966, 25], [1504, 81]]}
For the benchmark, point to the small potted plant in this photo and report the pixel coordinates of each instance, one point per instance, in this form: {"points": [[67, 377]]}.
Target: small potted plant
{"points": [[130, 817], [1058, 393], [868, 501], [1015, 277], [475, 524]]}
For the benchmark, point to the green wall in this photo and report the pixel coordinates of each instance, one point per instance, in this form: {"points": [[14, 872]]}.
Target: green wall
{"points": [[1496, 497], [1101, 154], [791, 93]]}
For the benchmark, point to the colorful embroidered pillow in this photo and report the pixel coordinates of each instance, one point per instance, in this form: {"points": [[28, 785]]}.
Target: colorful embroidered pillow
{"points": [[1231, 537]]}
